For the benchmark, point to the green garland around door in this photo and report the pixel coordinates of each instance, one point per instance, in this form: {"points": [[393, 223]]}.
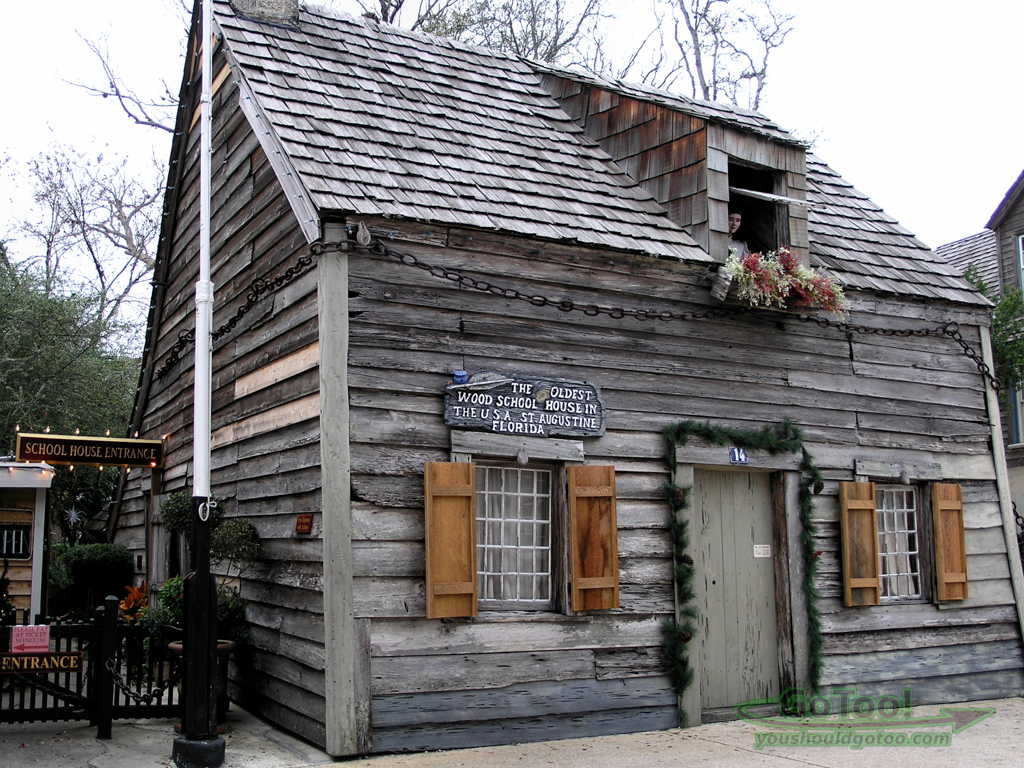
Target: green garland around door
{"points": [[777, 439]]}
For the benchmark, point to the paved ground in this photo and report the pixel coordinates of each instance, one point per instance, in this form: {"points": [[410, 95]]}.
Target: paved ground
{"points": [[995, 741]]}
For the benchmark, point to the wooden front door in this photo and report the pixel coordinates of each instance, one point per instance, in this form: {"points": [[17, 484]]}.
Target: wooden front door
{"points": [[739, 643]]}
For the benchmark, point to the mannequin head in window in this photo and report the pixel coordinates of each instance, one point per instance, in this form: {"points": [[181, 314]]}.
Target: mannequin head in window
{"points": [[735, 221]]}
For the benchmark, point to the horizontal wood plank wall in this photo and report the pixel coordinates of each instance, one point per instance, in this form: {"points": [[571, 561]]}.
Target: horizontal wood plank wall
{"points": [[266, 457], [476, 681]]}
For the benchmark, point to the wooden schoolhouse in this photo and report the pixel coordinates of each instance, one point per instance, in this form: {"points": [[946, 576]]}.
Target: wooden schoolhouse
{"points": [[483, 344]]}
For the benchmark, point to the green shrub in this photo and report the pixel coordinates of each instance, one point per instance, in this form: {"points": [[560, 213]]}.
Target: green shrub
{"points": [[95, 571], [237, 542], [176, 513], [231, 624]]}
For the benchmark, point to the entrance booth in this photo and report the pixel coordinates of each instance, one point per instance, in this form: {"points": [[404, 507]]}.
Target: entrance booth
{"points": [[23, 490]]}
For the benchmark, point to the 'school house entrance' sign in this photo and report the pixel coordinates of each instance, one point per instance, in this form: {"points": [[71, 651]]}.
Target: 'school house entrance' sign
{"points": [[524, 405], [98, 451]]}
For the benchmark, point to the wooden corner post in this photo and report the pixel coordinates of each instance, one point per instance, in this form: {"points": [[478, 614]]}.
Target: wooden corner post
{"points": [[346, 652]]}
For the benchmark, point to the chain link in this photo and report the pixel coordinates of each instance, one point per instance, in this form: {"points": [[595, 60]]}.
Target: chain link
{"points": [[537, 300], [261, 286], [143, 698], [77, 701], [950, 330], [257, 288]]}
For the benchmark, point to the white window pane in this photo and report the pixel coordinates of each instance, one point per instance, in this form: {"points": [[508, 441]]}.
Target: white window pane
{"points": [[514, 532], [897, 542]]}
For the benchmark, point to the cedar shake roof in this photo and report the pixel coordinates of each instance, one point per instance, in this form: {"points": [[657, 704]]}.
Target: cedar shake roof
{"points": [[868, 249], [377, 120], [372, 119], [850, 236], [981, 250]]}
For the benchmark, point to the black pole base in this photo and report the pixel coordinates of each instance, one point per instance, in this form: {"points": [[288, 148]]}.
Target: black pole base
{"points": [[198, 753]]}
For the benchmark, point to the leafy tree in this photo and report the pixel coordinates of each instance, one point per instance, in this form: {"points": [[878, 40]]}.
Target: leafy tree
{"points": [[59, 365], [1007, 328]]}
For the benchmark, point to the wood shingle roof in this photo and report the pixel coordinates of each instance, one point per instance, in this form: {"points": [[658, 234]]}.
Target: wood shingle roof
{"points": [[981, 250], [378, 120]]}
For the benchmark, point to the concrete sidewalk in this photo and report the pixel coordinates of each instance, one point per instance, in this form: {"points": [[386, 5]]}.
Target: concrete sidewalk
{"points": [[997, 740]]}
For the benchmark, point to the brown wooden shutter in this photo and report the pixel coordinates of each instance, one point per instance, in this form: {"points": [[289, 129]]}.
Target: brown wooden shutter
{"points": [[862, 581], [450, 512], [950, 543], [594, 538]]}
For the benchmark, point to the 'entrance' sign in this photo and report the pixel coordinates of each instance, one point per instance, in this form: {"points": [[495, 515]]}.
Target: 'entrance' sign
{"points": [[98, 451], [39, 663], [525, 405]]}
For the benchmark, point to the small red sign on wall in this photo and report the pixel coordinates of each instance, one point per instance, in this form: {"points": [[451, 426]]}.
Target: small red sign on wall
{"points": [[304, 523], [30, 639]]}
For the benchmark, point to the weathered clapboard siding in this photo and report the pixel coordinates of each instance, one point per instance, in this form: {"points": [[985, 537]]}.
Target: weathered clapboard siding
{"points": [[509, 676], [915, 402], [530, 711], [266, 457]]}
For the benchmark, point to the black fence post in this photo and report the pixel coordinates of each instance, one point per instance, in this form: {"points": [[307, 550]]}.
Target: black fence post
{"points": [[104, 698], [200, 746]]}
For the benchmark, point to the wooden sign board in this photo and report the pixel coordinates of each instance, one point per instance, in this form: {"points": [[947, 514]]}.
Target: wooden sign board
{"points": [[39, 663], [90, 451], [304, 523], [525, 405]]}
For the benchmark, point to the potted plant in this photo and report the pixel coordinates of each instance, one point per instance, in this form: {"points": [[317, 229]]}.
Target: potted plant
{"points": [[778, 279], [235, 545]]}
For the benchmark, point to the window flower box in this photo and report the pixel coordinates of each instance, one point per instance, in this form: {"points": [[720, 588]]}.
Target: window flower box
{"points": [[777, 280]]}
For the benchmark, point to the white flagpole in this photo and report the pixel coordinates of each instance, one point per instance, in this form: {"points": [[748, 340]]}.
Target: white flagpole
{"points": [[204, 287]]}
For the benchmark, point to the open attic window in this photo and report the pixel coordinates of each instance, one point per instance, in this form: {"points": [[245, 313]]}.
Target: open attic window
{"points": [[757, 194]]}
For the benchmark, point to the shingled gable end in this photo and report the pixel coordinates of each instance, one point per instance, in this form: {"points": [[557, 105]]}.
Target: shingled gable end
{"points": [[528, 193]]}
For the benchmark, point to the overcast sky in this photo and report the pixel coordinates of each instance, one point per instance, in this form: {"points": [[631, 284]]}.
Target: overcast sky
{"points": [[918, 102]]}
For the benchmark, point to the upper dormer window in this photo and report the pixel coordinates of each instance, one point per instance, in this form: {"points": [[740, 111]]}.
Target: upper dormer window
{"points": [[754, 194]]}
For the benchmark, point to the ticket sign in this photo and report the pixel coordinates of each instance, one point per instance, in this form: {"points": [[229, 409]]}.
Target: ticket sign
{"points": [[30, 639], [93, 451]]}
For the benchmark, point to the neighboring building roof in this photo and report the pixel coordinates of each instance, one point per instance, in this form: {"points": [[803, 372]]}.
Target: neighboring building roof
{"points": [[378, 120], [1009, 200], [981, 250]]}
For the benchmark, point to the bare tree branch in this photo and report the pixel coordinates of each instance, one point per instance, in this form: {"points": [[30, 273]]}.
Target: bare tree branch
{"points": [[152, 113], [95, 229]]}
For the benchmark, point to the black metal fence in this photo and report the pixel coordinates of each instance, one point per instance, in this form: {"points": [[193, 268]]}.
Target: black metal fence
{"points": [[125, 672]]}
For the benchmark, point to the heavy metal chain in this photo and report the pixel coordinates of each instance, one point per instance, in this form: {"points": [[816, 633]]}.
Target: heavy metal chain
{"points": [[143, 698], [261, 286], [951, 330], [41, 683], [563, 305], [257, 288]]}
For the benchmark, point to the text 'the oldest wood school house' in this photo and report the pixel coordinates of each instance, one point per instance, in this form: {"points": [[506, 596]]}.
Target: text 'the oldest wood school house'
{"points": [[485, 345]]}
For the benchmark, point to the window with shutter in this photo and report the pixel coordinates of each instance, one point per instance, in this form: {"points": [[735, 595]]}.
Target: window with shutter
{"points": [[514, 516], [862, 583], [450, 528], [593, 533], [899, 542], [950, 541]]}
